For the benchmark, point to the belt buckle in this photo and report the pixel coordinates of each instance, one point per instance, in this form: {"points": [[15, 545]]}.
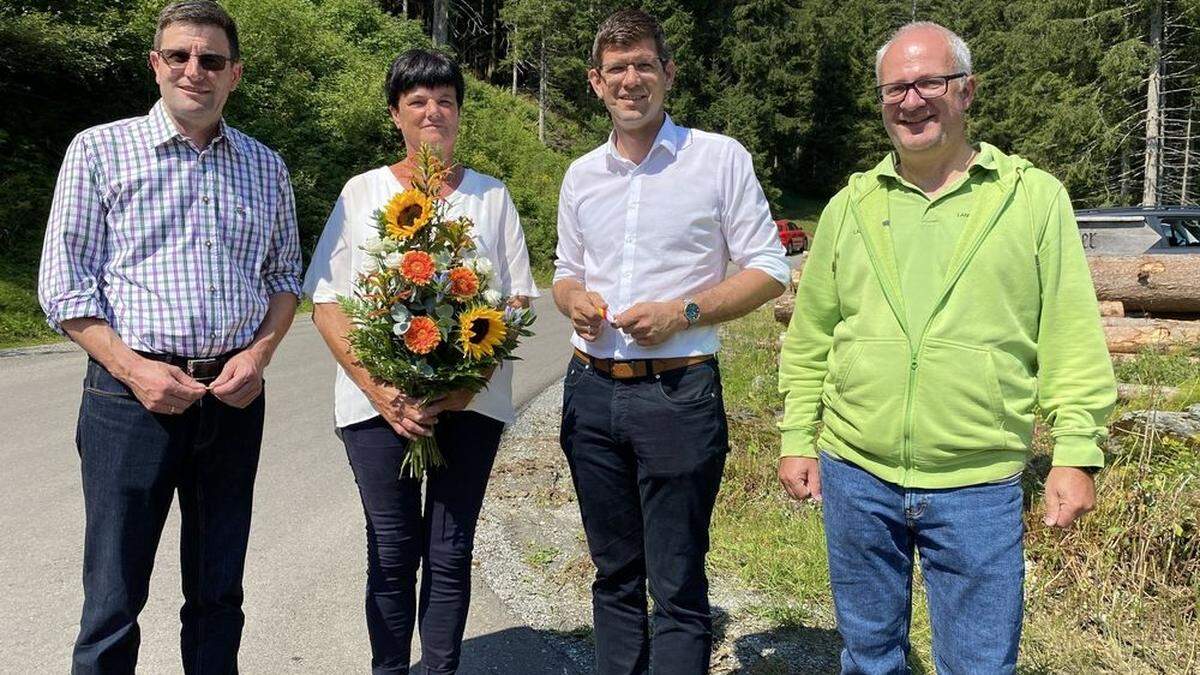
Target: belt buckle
{"points": [[193, 364]]}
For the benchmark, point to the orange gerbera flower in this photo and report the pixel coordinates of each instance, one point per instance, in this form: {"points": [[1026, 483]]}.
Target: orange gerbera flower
{"points": [[406, 213], [418, 267], [422, 336], [463, 282]]}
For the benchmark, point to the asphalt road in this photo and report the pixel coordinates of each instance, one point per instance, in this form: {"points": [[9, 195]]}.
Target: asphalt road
{"points": [[306, 564]]}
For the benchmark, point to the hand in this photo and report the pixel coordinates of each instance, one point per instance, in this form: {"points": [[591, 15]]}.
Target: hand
{"points": [[588, 311], [1070, 493], [240, 381], [161, 387], [402, 412], [455, 400], [652, 323], [801, 477]]}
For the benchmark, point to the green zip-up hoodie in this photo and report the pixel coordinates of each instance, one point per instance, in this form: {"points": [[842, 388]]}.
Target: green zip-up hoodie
{"points": [[950, 403]]}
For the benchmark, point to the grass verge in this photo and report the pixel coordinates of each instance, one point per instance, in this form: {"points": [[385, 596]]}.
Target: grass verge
{"points": [[1120, 593]]}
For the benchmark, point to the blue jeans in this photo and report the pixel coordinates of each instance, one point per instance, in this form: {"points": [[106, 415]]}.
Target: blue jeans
{"points": [[646, 458], [132, 462], [972, 561], [402, 537]]}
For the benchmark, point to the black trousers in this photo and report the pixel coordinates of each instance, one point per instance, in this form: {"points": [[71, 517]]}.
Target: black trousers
{"points": [[402, 536], [132, 463], [646, 458]]}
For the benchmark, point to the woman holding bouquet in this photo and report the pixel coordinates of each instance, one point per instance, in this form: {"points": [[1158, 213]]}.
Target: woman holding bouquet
{"points": [[379, 423]]}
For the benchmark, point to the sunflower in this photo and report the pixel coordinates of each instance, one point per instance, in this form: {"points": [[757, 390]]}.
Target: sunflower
{"points": [[422, 336], [406, 213], [463, 282], [482, 329]]}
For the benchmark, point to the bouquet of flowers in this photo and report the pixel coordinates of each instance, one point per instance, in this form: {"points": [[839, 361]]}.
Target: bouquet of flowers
{"points": [[427, 319]]}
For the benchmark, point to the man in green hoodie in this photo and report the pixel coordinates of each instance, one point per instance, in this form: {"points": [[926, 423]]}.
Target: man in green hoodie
{"points": [[945, 297]]}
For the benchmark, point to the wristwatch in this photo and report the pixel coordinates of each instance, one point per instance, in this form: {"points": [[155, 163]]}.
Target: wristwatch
{"points": [[691, 311]]}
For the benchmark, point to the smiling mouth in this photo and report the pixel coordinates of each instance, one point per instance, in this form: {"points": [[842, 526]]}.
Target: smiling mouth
{"points": [[910, 123]]}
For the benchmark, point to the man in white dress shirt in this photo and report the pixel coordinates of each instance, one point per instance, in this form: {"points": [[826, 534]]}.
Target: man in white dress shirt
{"points": [[647, 224]]}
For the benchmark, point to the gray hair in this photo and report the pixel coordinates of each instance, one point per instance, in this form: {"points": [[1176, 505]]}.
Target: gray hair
{"points": [[962, 53]]}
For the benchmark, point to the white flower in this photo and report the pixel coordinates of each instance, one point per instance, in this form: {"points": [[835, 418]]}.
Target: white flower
{"points": [[370, 265], [374, 245], [393, 259], [401, 328], [481, 265], [492, 297]]}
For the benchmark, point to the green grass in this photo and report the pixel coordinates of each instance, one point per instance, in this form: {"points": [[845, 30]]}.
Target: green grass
{"points": [[1119, 593], [22, 322]]}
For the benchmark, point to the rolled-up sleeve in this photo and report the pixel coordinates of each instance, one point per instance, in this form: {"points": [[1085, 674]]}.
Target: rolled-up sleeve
{"points": [[568, 255], [281, 268], [329, 271], [746, 219], [74, 251]]}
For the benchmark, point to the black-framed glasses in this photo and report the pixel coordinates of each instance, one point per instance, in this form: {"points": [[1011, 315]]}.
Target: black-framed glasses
{"points": [[178, 58], [926, 87]]}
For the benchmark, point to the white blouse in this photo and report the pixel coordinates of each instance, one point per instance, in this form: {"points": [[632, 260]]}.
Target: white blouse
{"points": [[339, 255]]}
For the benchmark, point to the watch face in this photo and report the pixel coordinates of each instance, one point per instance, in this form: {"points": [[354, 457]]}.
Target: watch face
{"points": [[692, 312]]}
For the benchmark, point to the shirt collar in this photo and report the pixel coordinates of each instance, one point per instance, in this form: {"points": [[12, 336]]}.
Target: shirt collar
{"points": [[161, 129], [668, 137], [984, 159]]}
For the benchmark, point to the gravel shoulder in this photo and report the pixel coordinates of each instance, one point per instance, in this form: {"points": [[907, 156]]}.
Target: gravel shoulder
{"points": [[531, 551]]}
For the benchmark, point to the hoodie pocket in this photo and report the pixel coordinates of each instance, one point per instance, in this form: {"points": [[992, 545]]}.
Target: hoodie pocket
{"points": [[866, 407], [957, 405]]}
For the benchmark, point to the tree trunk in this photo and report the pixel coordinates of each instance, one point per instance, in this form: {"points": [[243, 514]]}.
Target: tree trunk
{"points": [[441, 23], [1152, 283], [1154, 106], [542, 75], [1128, 336], [493, 60], [404, 8], [1187, 156]]}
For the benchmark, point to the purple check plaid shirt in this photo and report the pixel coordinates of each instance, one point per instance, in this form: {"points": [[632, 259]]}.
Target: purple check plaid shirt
{"points": [[178, 249]]}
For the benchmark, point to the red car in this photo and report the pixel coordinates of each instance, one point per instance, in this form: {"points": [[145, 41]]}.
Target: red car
{"points": [[794, 239]]}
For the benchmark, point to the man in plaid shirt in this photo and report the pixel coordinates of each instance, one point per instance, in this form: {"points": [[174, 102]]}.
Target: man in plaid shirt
{"points": [[172, 257]]}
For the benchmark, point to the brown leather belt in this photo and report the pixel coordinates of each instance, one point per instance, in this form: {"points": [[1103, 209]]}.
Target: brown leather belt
{"points": [[628, 370]]}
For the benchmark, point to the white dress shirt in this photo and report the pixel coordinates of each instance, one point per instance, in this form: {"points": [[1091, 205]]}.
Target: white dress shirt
{"points": [[339, 255], [663, 230]]}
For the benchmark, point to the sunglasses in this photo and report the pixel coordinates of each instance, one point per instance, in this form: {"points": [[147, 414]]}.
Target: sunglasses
{"points": [[178, 58]]}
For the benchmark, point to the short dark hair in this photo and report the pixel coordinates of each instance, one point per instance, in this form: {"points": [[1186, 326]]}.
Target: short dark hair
{"points": [[423, 68], [202, 13], [627, 27]]}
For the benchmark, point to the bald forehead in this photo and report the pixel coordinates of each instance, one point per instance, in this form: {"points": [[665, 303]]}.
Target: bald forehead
{"points": [[917, 53]]}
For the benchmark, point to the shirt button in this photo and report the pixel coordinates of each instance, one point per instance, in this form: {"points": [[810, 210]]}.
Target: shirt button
{"points": [[213, 335], [208, 243], [212, 289], [628, 274], [204, 199], [629, 240]]}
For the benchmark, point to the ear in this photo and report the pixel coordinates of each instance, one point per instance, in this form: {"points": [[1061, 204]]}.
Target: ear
{"points": [[152, 58], [968, 91], [394, 113], [597, 82], [237, 67], [669, 69]]}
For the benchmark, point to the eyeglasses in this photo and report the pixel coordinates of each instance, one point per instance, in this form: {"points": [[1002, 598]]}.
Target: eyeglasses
{"points": [[616, 70], [926, 88], [178, 58]]}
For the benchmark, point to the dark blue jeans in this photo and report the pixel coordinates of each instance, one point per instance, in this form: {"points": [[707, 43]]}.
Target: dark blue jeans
{"points": [[646, 458], [133, 461], [969, 540], [439, 539]]}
